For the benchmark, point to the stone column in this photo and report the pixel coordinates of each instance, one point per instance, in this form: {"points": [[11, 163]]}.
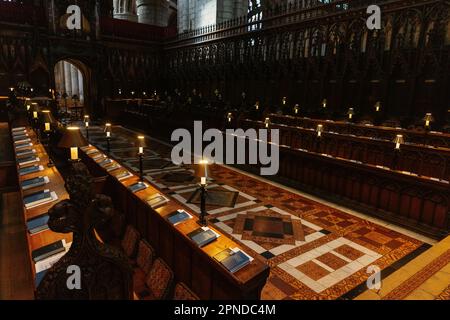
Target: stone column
{"points": [[154, 12], [67, 79], [125, 10]]}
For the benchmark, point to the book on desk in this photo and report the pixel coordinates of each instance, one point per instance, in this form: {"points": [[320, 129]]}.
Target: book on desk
{"points": [[21, 136], [178, 217], [18, 129], [38, 224], [34, 182], [48, 251], [23, 161], [31, 169], [203, 236], [112, 167], [25, 152], [233, 259], [104, 162], [39, 198], [50, 260], [23, 145], [123, 174], [137, 186], [17, 142]]}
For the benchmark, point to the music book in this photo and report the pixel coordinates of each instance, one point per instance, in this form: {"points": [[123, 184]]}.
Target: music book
{"points": [[92, 151], [203, 236], [122, 175], [113, 167], [98, 157], [233, 259], [22, 141], [23, 145], [138, 187], [30, 169], [37, 197], [38, 224], [35, 182], [47, 263], [18, 129], [25, 152], [48, 250], [178, 216], [27, 160], [20, 137], [105, 162], [157, 200]]}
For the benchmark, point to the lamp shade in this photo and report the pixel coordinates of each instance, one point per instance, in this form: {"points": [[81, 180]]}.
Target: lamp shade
{"points": [[399, 139], [108, 127], [141, 142], [46, 117], [72, 137], [428, 118]]}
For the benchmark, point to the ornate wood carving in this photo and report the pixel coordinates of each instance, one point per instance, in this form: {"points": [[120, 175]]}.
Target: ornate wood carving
{"points": [[105, 270]]}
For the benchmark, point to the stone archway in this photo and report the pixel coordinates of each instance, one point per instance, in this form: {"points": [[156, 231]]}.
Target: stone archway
{"points": [[73, 80]]}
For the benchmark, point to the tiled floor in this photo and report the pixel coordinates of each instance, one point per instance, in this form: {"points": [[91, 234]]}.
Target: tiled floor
{"points": [[315, 251]]}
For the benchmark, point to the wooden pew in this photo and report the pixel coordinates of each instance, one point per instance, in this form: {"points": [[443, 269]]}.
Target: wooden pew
{"points": [[194, 266], [56, 184]]}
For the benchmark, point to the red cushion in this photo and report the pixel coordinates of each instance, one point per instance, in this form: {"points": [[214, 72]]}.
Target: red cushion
{"points": [[159, 280]]}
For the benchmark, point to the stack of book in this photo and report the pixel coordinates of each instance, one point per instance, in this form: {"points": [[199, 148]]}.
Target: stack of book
{"points": [[38, 224], [178, 217], [34, 182], [23, 161], [122, 175], [39, 198], [22, 145], [30, 169], [53, 253], [203, 236], [21, 139], [18, 129], [233, 259], [105, 162], [138, 186], [26, 152], [112, 167], [48, 251], [98, 157]]}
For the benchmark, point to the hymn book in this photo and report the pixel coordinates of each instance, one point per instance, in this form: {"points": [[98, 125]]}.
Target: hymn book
{"points": [[233, 259], [30, 169], [48, 250], [178, 217], [138, 187], [35, 182], [203, 236], [38, 224]]}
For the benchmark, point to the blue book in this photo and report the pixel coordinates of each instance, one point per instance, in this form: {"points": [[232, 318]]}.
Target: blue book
{"points": [[137, 187], [38, 224], [30, 169], [178, 216], [39, 277], [20, 137], [48, 251], [23, 145], [235, 261], [27, 159], [37, 197], [33, 183], [202, 236], [25, 152], [105, 162], [20, 141]]}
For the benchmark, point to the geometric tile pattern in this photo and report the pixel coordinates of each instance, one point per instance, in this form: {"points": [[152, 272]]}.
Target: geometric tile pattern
{"points": [[314, 251], [323, 267]]}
